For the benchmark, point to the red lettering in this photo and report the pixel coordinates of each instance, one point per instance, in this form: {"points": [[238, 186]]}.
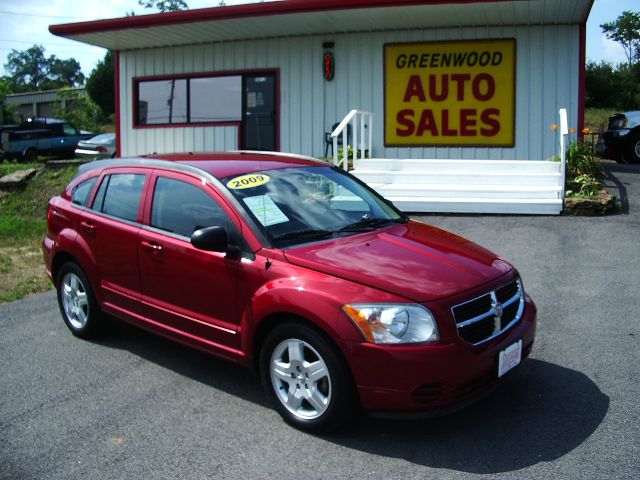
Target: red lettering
{"points": [[490, 87], [468, 122], [488, 117], [405, 118], [414, 89], [446, 130], [461, 79], [427, 123], [444, 88]]}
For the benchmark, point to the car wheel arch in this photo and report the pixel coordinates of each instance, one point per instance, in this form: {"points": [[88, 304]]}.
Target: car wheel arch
{"points": [[271, 321]]}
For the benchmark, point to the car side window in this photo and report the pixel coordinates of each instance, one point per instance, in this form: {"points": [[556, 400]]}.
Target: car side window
{"points": [[182, 208], [69, 129], [81, 192], [119, 195]]}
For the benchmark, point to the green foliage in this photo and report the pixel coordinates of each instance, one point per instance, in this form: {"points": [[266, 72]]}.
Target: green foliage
{"points": [[80, 110], [31, 70], [587, 186], [100, 85], [626, 31], [164, 5], [581, 160], [612, 87]]}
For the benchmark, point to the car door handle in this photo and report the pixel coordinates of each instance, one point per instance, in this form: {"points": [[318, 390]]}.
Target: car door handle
{"points": [[88, 227], [153, 248]]}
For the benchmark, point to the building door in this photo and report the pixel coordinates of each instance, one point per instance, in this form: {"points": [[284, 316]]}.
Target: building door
{"points": [[259, 117]]}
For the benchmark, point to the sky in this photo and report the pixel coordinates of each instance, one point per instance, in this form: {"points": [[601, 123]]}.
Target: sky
{"points": [[24, 23]]}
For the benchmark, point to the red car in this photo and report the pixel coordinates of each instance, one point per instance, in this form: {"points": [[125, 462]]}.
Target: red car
{"points": [[292, 267]]}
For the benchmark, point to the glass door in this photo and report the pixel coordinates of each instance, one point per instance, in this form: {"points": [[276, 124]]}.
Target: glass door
{"points": [[259, 113]]}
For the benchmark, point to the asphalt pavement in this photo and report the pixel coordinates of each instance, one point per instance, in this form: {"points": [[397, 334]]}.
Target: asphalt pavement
{"points": [[136, 406]]}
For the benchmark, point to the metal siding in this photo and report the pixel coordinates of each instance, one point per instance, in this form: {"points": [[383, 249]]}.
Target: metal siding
{"points": [[546, 79]]}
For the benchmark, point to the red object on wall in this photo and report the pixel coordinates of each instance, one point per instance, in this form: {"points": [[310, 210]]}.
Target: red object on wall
{"points": [[329, 65]]}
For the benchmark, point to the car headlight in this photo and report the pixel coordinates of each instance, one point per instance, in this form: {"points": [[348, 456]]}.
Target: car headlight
{"points": [[393, 323]]}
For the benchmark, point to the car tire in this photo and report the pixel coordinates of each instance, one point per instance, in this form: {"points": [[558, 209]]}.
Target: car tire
{"points": [[632, 149], [80, 310], [312, 391], [30, 156]]}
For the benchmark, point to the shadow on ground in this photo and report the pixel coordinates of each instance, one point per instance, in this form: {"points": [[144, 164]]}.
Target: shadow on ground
{"points": [[540, 413]]}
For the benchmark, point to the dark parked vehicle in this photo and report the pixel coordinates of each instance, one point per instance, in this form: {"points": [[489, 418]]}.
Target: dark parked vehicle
{"points": [[42, 136], [294, 268], [621, 141]]}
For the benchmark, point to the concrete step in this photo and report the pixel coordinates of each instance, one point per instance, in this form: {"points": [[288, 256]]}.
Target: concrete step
{"points": [[471, 191], [466, 166], [485, 205], [449, 176]]}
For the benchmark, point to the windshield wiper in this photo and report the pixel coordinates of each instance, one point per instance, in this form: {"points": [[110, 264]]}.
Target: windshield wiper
{"points": [[366, 224], [303, 234]]}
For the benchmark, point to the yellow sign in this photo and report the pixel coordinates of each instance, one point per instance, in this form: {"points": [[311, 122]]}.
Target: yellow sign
{"points": [[248, 181], [450, 93]]}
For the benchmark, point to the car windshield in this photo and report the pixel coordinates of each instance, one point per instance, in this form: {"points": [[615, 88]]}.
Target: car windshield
{"points": [[302, 204]]}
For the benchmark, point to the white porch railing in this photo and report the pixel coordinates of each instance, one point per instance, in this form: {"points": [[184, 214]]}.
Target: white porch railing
{"points": [[564, 131], [361, 140]]}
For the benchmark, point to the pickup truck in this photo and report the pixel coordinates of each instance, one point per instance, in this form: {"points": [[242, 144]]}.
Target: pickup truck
{"points": [[41, 136]]}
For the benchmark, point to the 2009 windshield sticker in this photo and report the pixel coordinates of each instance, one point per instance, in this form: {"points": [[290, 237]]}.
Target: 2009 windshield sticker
{"points": [[251, 180]]}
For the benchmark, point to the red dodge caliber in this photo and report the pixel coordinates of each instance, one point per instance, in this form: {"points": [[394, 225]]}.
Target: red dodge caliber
{"points": [[294, 268]]}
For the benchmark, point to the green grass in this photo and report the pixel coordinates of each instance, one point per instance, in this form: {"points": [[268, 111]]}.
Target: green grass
{"points": [[10, 167], [23, 222]]}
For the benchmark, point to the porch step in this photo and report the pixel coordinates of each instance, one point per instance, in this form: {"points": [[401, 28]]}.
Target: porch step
{"points": [[484, 205], [466, 186]]}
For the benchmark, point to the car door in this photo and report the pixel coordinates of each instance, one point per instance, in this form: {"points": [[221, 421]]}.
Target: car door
{"points": [[189, 292], [110, 232]]}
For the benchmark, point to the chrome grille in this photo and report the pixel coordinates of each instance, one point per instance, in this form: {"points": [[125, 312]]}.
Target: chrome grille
{"points": [[488, 315]]}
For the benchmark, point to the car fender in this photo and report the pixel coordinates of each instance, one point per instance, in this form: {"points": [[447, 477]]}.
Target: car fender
{"points": [[81, 252], [318, 301]]}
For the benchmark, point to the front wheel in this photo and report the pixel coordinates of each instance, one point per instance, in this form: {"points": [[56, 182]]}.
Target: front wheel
{"points": [[307, 378], [79, 308], [632, 150]]}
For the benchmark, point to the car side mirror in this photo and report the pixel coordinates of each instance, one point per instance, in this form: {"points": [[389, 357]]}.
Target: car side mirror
{"points": [[211, 239]]}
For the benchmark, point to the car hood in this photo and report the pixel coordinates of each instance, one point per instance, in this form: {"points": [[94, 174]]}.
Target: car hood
{"points": [[413, 260]]}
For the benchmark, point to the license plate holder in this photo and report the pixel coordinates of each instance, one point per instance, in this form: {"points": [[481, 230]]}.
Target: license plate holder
{"points": [[509, 358]]}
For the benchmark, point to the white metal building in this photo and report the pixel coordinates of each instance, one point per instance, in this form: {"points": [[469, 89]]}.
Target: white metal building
{"points": [[279, 75]]}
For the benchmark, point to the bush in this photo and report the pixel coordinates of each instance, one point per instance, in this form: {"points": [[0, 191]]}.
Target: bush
{"points": [[79, 110], [582, 161]]}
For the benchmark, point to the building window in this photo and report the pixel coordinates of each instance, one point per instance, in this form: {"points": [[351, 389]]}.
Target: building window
{"points": [[216, 99], [162, 102], [189, 100]]}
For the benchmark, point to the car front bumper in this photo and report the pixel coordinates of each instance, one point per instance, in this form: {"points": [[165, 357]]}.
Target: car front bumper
{"points": [[433, 378]]}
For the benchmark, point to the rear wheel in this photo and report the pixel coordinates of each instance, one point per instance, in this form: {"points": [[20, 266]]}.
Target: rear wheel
{"points": [[77, 303], [632, 150], [307, 378]]}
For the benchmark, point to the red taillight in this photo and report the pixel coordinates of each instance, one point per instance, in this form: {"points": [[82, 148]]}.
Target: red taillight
{"points": [[101, 149]]}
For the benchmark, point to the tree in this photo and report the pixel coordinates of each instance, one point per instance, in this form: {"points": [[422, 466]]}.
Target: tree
{"points": [[6, 111], [63, 73], [164, 5], [27, 69], [31, 70], [78, 109], [101, 86], [626, 31]]}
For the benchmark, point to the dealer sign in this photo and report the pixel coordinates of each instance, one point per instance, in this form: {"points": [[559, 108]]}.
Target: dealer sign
{"points": [[450, 93]]}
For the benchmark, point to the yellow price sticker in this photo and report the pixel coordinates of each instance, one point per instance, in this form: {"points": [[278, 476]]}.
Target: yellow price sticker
{"points": [[251, 180]]}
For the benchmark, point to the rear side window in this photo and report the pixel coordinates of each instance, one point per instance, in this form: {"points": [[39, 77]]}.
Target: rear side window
{"points": [[181, 208], [119, 195], [81, 192]]}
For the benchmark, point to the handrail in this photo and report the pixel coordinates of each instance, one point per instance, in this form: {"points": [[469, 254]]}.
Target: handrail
{"points": [[365, 119], [564, 131]]}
